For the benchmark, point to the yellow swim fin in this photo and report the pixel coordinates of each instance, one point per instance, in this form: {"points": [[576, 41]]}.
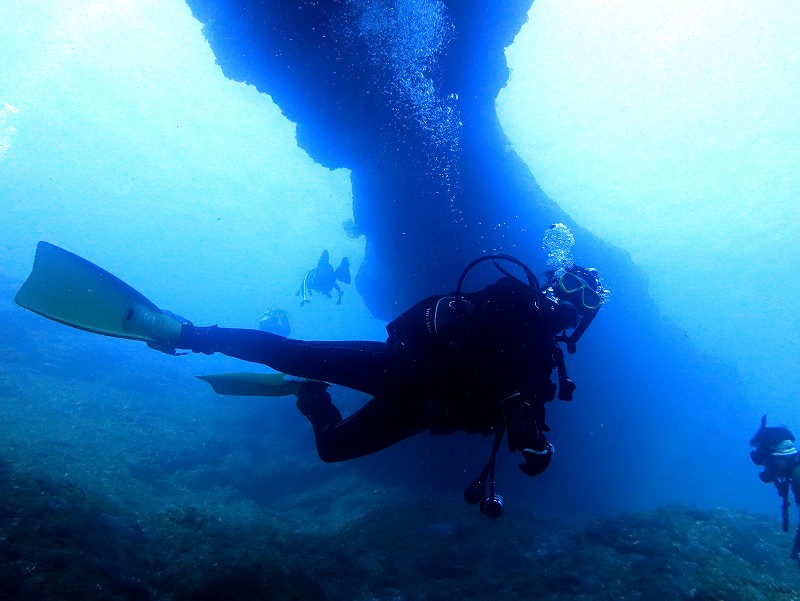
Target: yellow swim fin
{"points": [[253, 384], [69, 289]]}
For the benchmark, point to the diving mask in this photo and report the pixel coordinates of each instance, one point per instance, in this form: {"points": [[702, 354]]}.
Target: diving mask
{"points": [[572, 284]]}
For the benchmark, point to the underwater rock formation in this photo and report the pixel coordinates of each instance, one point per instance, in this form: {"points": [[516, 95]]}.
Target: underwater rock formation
{"points": [[402, 94]]}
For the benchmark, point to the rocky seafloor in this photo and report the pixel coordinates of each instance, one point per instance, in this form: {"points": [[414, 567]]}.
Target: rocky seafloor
{"points": [[60, 541]]}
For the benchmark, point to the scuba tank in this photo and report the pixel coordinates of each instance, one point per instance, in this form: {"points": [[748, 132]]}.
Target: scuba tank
{"points": [[444, 320]]}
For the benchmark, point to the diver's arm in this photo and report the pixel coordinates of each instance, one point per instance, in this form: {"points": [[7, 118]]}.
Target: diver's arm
{"points": [[566, 387], [572, 340], [525, 420]]}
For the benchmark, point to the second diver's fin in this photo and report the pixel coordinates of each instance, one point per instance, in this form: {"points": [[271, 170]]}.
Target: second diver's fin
{"points": [[253, 384], [343, 271], [71, 290]]}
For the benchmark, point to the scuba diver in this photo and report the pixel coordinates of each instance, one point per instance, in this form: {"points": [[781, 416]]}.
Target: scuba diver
{"points": [[323, 279], [275, 321], [775, 450], [474, 361]]}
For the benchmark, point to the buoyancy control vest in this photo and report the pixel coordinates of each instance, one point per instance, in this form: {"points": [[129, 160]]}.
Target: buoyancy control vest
{"points": [[507, 312], [483, 346]]}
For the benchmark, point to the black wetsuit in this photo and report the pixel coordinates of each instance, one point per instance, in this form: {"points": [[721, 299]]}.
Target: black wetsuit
{"points": [[436, 370]]}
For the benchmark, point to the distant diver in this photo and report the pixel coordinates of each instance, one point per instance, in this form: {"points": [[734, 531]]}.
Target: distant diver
{"points": [[776, 451], [323, 279], [479, 361], [275, 321]]}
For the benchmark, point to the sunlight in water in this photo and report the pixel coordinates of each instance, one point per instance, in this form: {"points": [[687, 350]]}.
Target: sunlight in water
{"points": [[7, 131], [671, 130]]}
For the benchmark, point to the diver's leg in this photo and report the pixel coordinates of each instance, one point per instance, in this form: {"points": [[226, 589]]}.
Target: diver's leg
{"points": [[795, 552], [367, 366], [380, 423], [795, 483]]}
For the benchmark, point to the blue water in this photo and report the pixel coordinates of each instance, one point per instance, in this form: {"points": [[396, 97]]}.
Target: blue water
{"points": [[672, 134]]}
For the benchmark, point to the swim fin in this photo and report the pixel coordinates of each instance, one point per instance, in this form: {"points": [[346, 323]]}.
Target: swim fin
{"points": [[343, 271], [253, 384], [71, 290]]}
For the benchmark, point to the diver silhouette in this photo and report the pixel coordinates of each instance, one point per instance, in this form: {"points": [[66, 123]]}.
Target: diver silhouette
{"points": [[274, 320], [323, 279], [776, 452]]}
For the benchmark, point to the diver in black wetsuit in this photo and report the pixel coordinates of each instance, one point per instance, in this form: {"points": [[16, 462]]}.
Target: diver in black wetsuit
{"points": [[479, 362], [775, 450]]}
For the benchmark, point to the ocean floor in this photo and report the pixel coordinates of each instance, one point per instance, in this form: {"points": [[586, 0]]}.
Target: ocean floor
{"points": [[122, 477]]}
